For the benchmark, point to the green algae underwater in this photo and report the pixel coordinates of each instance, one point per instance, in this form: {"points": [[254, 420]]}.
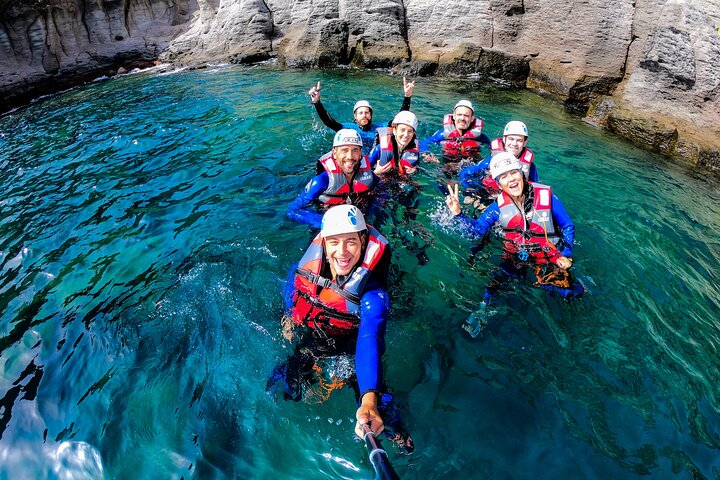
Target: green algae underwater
{"points": [[144, 249]]}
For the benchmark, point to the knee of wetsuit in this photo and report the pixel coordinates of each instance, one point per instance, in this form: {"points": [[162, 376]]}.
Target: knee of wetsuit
{"points": [[568, 294], [282, 381], [577, 290]]}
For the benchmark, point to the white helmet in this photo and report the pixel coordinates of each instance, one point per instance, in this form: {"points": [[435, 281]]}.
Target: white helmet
{"points": [[347, 136], [464, 103], [515, 128], [503, 162], [407, 118], [360, 104], [342, 219]]}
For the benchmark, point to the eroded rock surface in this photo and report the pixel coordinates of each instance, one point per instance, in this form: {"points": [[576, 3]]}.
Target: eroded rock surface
{"points": [[47, 43], [645, 69]]}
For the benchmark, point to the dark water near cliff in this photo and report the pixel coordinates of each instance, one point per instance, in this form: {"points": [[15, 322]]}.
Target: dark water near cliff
{"points": [[143, 250]]}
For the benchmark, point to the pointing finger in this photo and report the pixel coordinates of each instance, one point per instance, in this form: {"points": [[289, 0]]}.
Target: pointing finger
{"points": [[318, 86]]}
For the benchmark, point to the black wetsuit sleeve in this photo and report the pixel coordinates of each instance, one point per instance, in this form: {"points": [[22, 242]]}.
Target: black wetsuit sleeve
{"points": [[326, 118], [381, 271]]}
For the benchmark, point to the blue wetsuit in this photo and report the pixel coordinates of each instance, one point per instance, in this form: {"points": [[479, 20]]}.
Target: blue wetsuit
{"points": [[370, 341], [374, 308], [473, 175], [298, 209], [301, 210], [366, 133], [512, 267], [439, 136]]}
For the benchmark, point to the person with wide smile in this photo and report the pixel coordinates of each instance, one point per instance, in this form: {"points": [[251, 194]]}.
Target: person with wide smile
{"points": [[396, 149], [536, 229], [476, 178], [461, 136], [345, 177], [338, 308]]}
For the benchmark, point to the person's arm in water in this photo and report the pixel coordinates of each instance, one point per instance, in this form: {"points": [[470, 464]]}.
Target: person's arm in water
{"points": [[298, 211], [436, 137], [475, 229], [374, 308], [325, 117], [564, 225], [472, 175]]}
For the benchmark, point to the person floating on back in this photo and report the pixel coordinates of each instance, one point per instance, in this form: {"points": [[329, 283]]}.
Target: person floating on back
{"points": [[536, 229], [362, 114]]}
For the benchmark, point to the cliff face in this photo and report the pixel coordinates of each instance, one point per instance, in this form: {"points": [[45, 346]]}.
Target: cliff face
{"points": [[45, 44], [648, 70]]}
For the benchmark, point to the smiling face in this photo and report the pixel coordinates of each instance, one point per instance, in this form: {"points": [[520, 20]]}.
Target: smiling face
{"points": [[363, 116], [514, 144], [347, 157], [403, 134], [463, 117], [343, 252], [512, 183]]}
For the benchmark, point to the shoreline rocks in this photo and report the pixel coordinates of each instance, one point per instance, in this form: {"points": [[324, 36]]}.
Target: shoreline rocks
{"points": [[648, 72]]}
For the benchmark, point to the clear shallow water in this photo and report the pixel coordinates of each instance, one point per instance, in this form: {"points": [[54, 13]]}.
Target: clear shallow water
{"points": [[143, 250]]}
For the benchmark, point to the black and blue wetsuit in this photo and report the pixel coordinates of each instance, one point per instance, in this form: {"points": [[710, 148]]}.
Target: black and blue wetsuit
{"points": [[366, 133]]}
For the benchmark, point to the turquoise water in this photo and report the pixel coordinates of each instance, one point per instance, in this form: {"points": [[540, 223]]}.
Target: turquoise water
{"points": [[143, 250]]}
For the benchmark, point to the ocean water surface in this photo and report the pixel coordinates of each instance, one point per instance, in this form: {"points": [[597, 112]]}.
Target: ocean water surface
{"points": [[144, 249]]}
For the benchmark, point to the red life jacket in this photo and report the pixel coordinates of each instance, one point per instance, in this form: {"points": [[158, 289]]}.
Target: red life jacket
{"points": [[335, 309], [338, 189], [538, 237], [409, 158], [466, 144], [526, 158]]}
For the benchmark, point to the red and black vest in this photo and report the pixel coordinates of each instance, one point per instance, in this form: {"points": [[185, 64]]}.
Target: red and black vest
{"points": [[338, 189], [457, 144], [526, 157], [535, 235], [409, 158], [321, 303]]}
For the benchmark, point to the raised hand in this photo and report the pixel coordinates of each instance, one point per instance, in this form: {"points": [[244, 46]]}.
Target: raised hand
{"points": [[453, 199], [408, 87], [315, 93]]}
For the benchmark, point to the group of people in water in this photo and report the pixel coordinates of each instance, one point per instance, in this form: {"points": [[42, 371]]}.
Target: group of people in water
{"points": [[338, 299]]}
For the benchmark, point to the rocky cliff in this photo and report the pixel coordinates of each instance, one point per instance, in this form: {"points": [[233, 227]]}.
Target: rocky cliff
{"points": [[48, 44], [648, 70]]}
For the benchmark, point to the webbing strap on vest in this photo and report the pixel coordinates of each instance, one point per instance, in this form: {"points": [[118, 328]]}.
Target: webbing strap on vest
{"points": [[327, 283]]}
